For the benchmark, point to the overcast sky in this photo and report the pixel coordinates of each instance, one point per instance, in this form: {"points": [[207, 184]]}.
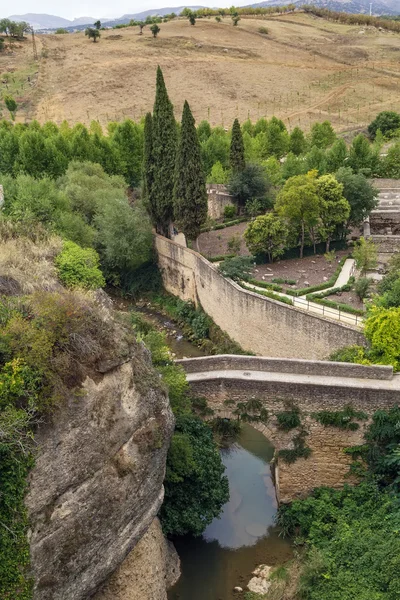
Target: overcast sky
{"points": [[97, 8]]}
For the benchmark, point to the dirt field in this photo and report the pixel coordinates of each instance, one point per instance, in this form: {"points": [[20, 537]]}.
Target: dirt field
{"points": [[305, 69], [310, 270]]}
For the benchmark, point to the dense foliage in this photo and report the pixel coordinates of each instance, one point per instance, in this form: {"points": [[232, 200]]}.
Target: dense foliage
{"points": [[88, 207], [195, 485], [352, 535], [190, 195], [79, 267]]}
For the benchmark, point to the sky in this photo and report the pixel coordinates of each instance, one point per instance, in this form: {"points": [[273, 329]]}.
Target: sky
{"points": [[98, 8]]}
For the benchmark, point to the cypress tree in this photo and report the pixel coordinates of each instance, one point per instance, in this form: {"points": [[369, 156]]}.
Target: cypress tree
{"points": [[237, 160], [148, 167], [164, 157], [190, 195]]}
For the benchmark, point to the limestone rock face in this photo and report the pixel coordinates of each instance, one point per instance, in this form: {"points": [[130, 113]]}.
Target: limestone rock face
{"points": [[97, 483], [149, 570]]}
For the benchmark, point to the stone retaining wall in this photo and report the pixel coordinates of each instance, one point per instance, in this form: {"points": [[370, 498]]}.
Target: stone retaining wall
{"points": [[259, 324], [328, 465], [218, 197]]}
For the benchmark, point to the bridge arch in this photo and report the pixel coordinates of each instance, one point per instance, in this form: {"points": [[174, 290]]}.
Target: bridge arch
{"points": [[312, 386]]}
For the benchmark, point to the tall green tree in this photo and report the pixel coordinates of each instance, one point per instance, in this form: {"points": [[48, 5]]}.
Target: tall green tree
{"points": [[360, 194], [190, 195], [298, 142], [165, 139], [128, 140], [298, 202], [237, 160], [267, 233], [334, 209]]}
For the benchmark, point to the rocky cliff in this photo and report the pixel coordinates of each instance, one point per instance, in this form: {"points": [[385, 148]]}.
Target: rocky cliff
{"points": [[97, 483]]}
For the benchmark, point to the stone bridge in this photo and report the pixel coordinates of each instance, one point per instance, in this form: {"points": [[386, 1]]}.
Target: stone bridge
{"points": [[312, 386]]}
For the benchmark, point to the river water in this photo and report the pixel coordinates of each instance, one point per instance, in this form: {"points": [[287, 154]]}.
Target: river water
{"points": [[244, 536]]}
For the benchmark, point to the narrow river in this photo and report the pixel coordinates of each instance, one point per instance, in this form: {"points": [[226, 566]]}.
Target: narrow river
{"points": [[245, 535]]}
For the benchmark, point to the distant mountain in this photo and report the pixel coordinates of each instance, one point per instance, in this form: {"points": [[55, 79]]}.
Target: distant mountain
{"points": [[43, 21], [379, 7], [153, 12]]}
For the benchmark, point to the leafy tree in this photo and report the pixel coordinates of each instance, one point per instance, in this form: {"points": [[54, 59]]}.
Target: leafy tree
{"points": [[32, 157], [235, 20], [387, 121], [192, 19], [292, 166], [365, 254], [97, 24], [334, 209], [92, 34], [128, 141], [391, 163], [79, 267], [218, 174], [336, 156], [362, 156], [322, 135], [141, 25], [204, 131], [316, 160], [237, 160], [190, 195], [214, 149], [249, 183], [267, 234], [298, 202], [9, 149], [360, 194], [164, 157], [11, 106], [298, 142], [155, 30], [195, 485], [276, 138], [125, 241]]}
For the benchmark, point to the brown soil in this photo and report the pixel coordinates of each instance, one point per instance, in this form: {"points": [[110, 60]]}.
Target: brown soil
{"points": [[347, 298], [307, 271], [215, 243], [306, 69]]}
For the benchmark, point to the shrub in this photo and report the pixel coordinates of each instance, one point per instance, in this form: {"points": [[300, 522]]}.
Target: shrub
{"points": [[79, 267], [342, 419], [234, 244], [229, 211], [263, 30], [238, 268], [362, 287], [289, 419]]}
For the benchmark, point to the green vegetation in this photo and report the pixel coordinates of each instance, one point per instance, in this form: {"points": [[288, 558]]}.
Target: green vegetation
{"points": [[237, 268], [195, 485], [289, 419], [237, 160], [351, 535], [342, 419], [79, 267], [267, 234], [92, 33], [365, 254], [197, 325], [190, 195]]}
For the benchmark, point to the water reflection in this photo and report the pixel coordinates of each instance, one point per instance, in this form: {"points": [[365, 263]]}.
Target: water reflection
{"points": [[244, 536]]}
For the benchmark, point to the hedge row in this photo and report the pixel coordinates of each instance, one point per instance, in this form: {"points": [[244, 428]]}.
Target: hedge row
{"points": [[338, 306], [266, 285], [268, 295], [224, 225]]}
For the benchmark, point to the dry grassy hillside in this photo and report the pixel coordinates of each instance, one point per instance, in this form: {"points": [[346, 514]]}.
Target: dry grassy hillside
{"points": [[305, 69]]}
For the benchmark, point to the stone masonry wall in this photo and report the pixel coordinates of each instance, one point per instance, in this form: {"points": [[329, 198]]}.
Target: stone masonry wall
{"points": [[218, 198], [328, 465], [257, 323]]}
